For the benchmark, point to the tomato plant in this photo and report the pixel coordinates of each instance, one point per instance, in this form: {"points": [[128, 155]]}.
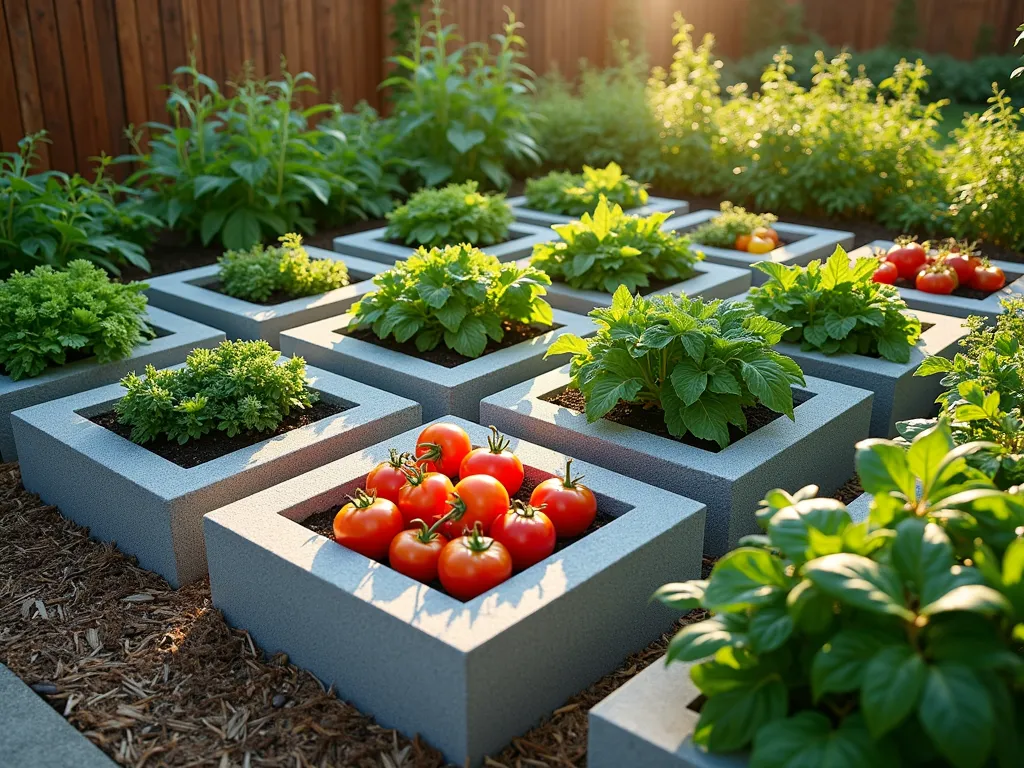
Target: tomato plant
{"points": [[569, 504], [495, 460], [445, 446], [936, 279], [424, 495], [473, 564], [527, 533], [477, 499], [415, 551], [908, 256], [988, 278], [887, 273], [367, 525], [388, 477]]}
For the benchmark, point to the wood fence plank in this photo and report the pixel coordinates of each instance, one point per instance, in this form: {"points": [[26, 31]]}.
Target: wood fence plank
{"points": [[154, 64], [11, 129], [99, 30], [71, 51], [231, 36], [212, 40], [191, 24], [26, 76], [175, 45], [52, 90], [130, 50], [273, 34]]}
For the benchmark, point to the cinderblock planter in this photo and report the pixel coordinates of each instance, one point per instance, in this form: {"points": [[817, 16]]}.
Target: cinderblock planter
{"points": [[152, 507], [529, 215], [860, 508], [440, 390], [953, 305], [801, 244], [176, 338], [817, 448], [373, 245], [467, 676], [192, 294]]}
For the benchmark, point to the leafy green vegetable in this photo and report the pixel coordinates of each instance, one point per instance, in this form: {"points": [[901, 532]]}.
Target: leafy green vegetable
{"points": [[457, 213], [46, 315], [458, 295], [258, 273], [237, 387], [701, 362], [611, 248], [837, 308], [733, 221], [572, 194]]}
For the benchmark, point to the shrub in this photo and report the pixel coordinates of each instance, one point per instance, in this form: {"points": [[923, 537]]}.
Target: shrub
{"points": [[236, 388], [895, 641], [53, 218], [610, 248], [701, 362], [257, 274], [733, 221], [837, 308], [458, 295], [457, 213], [573, 194], [46, 315]]}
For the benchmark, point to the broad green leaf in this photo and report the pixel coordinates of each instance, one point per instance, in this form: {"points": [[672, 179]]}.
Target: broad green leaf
{"points": [[974, 598], [707, 419], [745, 578], [770, 628], [933, 365], [700, 640], [689, 381], [683, 596], [241, 230], [839, 666], [730, 720], [860, 583], [925, 455], [462, 140], [892, 685], [923, 555], [567, 343], [470, 339], [956, 712], [606, 393], [883, 468], [808, 740], [769, 384], [790, 528]]}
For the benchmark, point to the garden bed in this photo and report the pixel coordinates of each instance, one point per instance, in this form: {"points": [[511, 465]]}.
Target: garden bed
{"points": [[543, 219], [373, 244]]}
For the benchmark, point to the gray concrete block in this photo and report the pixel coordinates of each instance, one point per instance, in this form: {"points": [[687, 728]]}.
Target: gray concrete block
{"points": [[438, 389], [860, 508], [153, 508], [654, 204], [817, 448], [189, 294], [372, 244], [804, 244], [34, 735], [467, 676], [955, 306], [178, 337]]}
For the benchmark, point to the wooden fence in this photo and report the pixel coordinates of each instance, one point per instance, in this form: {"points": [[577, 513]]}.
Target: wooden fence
{"points": [[85, 69]]}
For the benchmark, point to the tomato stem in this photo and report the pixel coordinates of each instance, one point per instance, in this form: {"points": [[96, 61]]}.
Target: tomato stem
{"points": [[476, 541], [569, 481], [362, 499], [414, 474], [497, 442], [523, 509], [432, 453], [399, 460], [427, 535]]}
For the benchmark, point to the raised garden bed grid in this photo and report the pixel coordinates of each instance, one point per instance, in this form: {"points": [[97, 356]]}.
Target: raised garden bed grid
{"points": [[524, 213], [466, 676], [177, 337], [153, 508], [372, 244], [189, 294], [817, 448], [438, 389]]}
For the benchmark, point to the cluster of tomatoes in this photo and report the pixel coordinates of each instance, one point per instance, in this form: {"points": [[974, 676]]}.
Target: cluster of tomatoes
{"points": [[942, 272], [761, 240], [470, 535]]}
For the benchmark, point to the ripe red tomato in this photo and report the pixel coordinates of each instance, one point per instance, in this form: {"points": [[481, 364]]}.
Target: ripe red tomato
{"points": [[495, 460], [416, 552], [445, 445], [473, 564], [424, 495], [760, 245], [936, 279], [367, 525], [908, 258], [477, 499], [988, 278], [963, 264], [742, 241], [886, 273], [387, 478], [527, 533], [767, 233], [571, 506]]}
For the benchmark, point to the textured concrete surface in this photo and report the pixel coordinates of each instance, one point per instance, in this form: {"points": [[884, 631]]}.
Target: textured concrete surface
{"points": [[182, 336], [955, 306], [809, 243], [438, 389], [189, 295], [860, 507], [34, 735], [372, 245], [542, 219], [817, 448], [466, 676], [152, 507]]}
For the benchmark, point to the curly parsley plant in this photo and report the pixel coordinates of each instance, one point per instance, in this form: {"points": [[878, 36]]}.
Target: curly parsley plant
{"points": [[573, 194], [258, 273], [457, 213]]}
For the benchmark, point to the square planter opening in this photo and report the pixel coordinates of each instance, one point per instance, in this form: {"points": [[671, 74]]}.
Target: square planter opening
{"points": [[529, 215], [373, 244], [442, 383], [467, 676], [817, 448], [196, 294], [153, 506], [176, 337], [800, 244], [963, 302]]}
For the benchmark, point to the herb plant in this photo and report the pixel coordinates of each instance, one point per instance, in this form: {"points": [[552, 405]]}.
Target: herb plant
{"points": [[46, 315], [894, 641], [237, 387], [701, 362], [457, 213], [458, 295], [610, 248], [733, 221], [573, 194], [837, 308], [258, 273]]}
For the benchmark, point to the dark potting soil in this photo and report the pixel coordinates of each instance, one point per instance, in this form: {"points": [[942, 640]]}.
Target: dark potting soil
{"points": [[515, 333], [652, 420], [216, 444]]}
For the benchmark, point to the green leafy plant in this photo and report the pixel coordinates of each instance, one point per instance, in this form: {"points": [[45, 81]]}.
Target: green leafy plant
{"points": [[405, 14], [905, 26], [894, 641], [457, 213], [732, 221], [610, 248], [573, 194], [457, 295], [258, 273], [837, 308], [701, 362], [48, 315], [239, 387], [54, 218]]}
